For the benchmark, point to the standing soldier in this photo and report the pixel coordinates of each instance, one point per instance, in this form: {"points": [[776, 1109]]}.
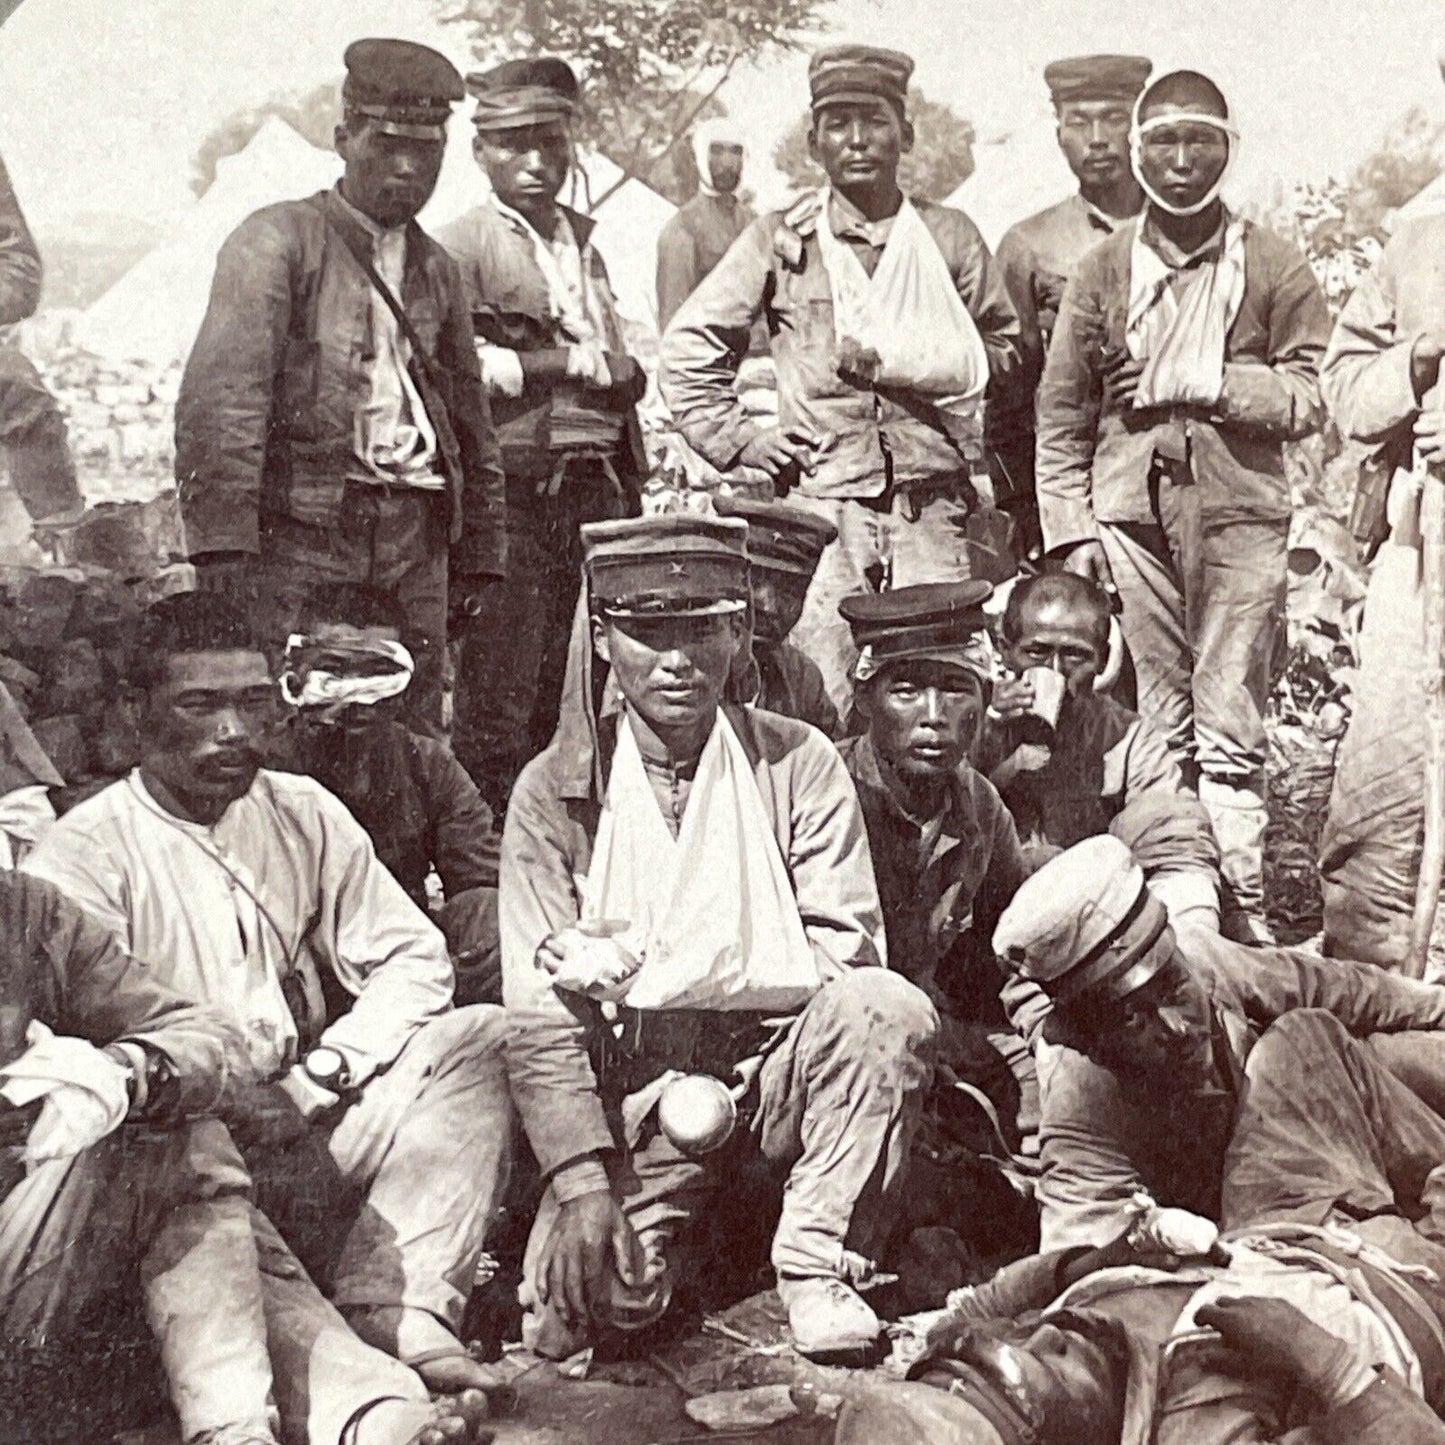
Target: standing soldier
{"points": [[32, 430], [1185, 356], [331, 425], [1093, 99], [698, 236], [564, 388], [888, 319]]}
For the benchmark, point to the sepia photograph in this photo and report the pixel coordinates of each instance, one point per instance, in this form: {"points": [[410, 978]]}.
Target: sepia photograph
{"points": [[722, 721]]}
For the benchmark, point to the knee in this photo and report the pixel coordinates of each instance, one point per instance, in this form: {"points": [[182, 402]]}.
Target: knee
{"points": [[1298, 1030], [473, 1036], [882, 1012]]}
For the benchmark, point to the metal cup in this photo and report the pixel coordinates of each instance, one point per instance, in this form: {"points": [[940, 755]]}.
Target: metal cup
{"points": [[1049, 688]]}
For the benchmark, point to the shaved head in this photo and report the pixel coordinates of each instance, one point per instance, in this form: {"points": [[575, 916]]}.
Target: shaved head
{"points": [[1183, 90]]}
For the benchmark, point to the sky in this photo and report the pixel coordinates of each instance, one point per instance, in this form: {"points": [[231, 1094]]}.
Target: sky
{"points": [[106, 100]]}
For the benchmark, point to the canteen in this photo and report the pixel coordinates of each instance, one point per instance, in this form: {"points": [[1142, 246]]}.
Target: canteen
{"points": [[697, 1113]]}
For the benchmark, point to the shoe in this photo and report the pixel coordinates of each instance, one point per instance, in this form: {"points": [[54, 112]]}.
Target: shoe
{"points": [[828, 1319]]}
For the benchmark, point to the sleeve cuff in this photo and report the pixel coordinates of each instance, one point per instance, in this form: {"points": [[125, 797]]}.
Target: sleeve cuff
{"points": [[585, 1176]]}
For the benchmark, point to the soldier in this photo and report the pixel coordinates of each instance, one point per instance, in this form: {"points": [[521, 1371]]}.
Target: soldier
{"points": [[889, 320], [331, 425], [1185, 356], [784, 547], [32, 430], [556, 367], [698, 236], [1093, 99]]}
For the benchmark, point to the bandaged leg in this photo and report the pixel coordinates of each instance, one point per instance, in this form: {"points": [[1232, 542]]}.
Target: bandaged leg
{"points": [[429, 1141], [841, 1098]]}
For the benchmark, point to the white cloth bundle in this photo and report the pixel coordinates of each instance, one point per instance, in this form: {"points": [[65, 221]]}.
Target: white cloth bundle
{"points": [[711, 913], [85, 1093], [909, 312]]}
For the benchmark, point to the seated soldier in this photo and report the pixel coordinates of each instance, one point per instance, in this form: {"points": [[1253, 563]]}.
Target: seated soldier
{"points": [[109, 1165], [1068, 760], [686, 887], [945, 852], [240, 886], [784, 546], [343, 676], [1180, 1054]]}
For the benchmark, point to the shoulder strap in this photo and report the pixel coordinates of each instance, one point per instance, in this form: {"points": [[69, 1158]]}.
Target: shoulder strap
{"points": [[359, 255]]}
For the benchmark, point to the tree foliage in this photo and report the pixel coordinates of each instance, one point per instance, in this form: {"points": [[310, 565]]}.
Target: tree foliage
{"points": [[940, 161], [314, 113], [649, 69]]}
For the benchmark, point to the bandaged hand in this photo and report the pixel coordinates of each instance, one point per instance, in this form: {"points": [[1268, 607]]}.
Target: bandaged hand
{"points": [[586, 362], [1173, 1232], [501, 370], [584, 962]]}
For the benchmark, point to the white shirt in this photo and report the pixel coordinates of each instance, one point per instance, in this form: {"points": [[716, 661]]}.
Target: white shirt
{"points": [[286, 880]]}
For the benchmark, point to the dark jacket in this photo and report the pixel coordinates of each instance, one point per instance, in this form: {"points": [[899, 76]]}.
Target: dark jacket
{"points": [[266, 415], [20, 270], [508, 300], [1095, 462]]}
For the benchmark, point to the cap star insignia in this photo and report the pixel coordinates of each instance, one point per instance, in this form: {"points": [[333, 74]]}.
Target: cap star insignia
{"points": [[675, 569]]}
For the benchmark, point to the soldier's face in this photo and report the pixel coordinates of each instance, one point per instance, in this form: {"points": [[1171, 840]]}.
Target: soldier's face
{"points": [[923, 716], [725, 166], [526, 164], [388, 177], [1061, 635], [777, 603], [208, 720], [1182, 160], [859, 143], [671, 670], [1094, 137]]}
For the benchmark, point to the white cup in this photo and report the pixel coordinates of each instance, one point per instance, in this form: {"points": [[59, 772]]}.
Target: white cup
{"points": [[1049, 687]]}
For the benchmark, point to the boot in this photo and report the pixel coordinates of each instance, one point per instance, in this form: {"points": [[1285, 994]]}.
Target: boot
{"points": [[1238, 816]]}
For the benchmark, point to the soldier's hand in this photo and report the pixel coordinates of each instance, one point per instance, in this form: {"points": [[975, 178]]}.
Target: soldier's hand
{"points": [[599, 967], [590, 1241], [775, 449], [1430, 436], [1121, 381], [1088, 560], [1425, 358], [1012, 697], [1273, 1339], [222, 571]]}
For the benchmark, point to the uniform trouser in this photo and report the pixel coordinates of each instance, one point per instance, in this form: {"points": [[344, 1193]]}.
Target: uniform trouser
{"points": [[839, 1099], [1203, 615], [890, 543], [513, 655], [177, 1204], [427, 1144], [394, 538], [1370, 847], [32, 431]]}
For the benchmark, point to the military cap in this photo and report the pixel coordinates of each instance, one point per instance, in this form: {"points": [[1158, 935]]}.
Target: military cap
{"points": [[1086, 923], [1097, 77], [911, 621], [407, 89], [859, 72], [676, 564], [524, 92], [781, 537]]}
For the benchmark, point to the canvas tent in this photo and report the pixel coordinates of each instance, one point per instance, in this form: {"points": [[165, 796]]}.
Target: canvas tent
{"points": [[154, 311]]}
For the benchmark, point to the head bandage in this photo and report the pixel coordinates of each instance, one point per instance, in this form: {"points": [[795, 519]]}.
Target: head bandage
{"points": [[1142, 128], [720, 131], [310, 688]]}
